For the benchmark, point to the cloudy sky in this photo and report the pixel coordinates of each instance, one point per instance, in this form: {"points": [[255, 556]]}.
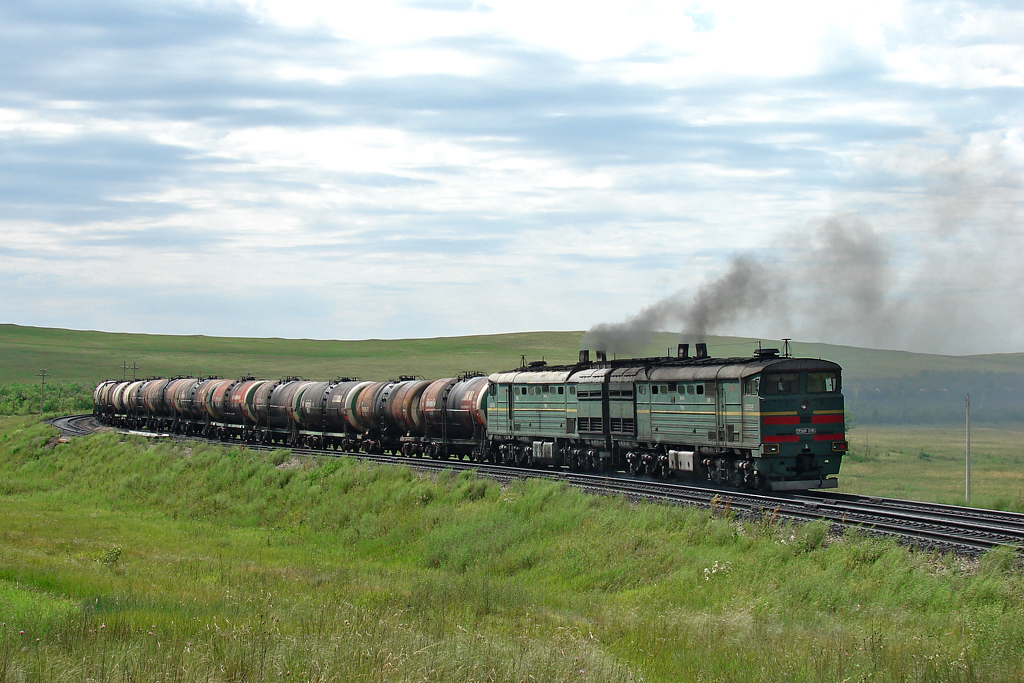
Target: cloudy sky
{"points": [[842, 172]]}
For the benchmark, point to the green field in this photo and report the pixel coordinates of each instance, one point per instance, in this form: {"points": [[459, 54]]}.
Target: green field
{"points": [[74, 356], [928, 463], [88, 357], [124, 560]]}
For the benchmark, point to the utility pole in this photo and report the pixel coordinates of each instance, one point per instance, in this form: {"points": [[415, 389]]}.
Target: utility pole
{"points": [[42, 386], [125, 368], [967, 402]]}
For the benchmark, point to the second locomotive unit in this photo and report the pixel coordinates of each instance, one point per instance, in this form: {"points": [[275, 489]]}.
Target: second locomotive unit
{"points": [[765, 422]]}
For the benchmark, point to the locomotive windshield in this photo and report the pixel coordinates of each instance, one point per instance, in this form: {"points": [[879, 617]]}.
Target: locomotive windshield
{"points": [[781, 383], [822, 382], [778, 383]]}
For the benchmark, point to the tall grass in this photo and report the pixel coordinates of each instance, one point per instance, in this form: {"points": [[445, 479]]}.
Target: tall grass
{"points": [[122, 559]]}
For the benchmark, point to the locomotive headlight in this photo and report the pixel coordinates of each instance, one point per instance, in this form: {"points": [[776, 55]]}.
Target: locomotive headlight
{"points": [[769, 448], [840, 446]]}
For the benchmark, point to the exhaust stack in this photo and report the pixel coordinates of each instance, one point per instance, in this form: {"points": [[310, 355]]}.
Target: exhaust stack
{"points": [[683, 351], [602, 356], [585, 356], [702, 350]]}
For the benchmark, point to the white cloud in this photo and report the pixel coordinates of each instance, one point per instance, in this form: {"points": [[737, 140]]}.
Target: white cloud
{"points": [[481, 167]]}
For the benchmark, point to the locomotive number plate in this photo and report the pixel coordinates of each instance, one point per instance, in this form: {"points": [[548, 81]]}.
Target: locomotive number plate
{"points": [[806, 430]]}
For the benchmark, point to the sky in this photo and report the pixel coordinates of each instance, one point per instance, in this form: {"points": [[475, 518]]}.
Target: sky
{"points": [[846, 172]]}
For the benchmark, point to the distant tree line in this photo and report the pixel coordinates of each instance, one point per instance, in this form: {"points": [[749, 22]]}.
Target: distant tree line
{"points": [[66, 399], [936, 397]]}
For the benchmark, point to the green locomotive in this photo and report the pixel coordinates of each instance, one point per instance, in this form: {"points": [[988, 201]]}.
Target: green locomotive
{"points": [[765, 422]]}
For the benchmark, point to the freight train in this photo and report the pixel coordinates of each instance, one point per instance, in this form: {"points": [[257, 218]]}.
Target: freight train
{"points": [[768, 422]]}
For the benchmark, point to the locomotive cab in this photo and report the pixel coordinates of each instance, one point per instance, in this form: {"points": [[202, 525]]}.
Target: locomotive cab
{"points": [[801, 420]]}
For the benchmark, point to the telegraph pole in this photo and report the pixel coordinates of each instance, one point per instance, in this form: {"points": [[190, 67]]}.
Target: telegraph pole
{"points": [[42, 386], [125, 368], [967, 402]]}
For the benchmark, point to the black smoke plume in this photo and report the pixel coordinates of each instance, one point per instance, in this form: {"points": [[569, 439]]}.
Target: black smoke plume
{"points": [[952, 285], [840, 270]]}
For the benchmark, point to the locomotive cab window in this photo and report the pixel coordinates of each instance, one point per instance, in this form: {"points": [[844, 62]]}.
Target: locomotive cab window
{"points": [[822, 382], [700, 388], [781, 383], [750, 386]]}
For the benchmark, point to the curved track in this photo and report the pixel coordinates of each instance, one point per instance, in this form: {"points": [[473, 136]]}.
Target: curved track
{"points": [[930, 525], [76, 425]]}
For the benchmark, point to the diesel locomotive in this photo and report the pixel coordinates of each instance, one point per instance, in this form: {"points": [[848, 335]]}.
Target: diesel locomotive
{"points": [[769, 421]]}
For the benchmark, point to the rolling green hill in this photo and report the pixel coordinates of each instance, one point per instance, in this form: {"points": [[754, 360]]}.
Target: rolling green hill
{"points": [[883, 385], [86, 356]]}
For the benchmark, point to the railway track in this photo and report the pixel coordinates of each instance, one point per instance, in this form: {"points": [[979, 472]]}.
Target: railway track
{"points": [[929, 525], [76, 425]]}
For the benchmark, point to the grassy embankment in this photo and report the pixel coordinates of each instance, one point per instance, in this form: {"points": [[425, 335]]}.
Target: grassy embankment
{"points": [[122, 560]]}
